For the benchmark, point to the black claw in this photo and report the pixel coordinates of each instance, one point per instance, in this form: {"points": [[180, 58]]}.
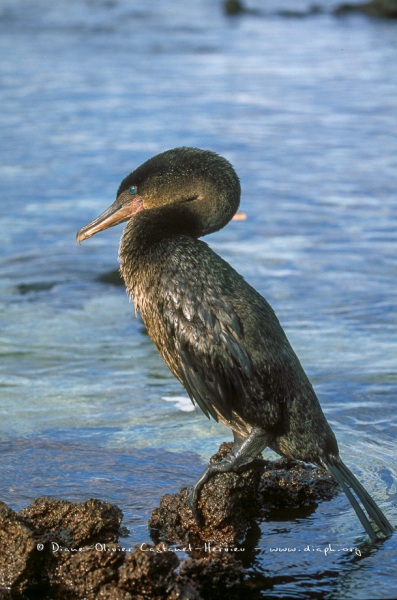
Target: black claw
{"points": [[192, 497]]}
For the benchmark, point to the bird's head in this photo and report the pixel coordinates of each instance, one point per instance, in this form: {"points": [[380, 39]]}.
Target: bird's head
{"points": [[197, 190]]}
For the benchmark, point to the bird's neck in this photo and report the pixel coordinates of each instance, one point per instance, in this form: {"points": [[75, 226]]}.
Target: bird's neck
{"points": [[146, 241]]}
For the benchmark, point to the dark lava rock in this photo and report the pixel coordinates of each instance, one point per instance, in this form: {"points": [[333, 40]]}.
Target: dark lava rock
{"points": [[57, 550], [73, 525], [217, 577], [83, 574], [231, 503], [50, 545], [20, 562], [386, 9], [228, 505], [292, 484], [150, 573]]}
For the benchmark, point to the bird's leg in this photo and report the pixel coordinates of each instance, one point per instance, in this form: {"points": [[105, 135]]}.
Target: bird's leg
{"points": [[238, 441], [244, 452]]}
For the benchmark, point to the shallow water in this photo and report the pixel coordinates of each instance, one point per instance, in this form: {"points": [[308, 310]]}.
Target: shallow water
{"points": [[305, 110]]}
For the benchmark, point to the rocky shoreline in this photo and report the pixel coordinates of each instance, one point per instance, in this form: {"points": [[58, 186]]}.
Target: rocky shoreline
{"points": [[55, 549]]}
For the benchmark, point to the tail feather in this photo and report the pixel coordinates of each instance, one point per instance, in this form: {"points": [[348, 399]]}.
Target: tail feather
{"points": [[369, 503], [350, 484]]}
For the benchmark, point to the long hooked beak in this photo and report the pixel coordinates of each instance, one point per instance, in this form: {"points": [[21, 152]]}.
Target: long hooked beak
{"points": [[118, 212]]}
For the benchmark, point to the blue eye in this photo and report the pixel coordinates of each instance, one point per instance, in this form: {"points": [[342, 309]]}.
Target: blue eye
{"points": [[133, 190]]}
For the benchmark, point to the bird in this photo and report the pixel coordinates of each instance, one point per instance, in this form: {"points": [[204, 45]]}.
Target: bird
{"points": [[218, 336]]}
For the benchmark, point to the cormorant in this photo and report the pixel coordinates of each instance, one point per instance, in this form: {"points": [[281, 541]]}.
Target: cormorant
{"points": [[217, 334]]}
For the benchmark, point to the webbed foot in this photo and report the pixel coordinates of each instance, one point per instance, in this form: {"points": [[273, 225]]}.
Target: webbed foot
{"points": [[193, 494], [240, 458]]}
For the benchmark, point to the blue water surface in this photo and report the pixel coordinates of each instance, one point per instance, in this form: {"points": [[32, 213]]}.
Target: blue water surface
{"points": [[305, 109]]}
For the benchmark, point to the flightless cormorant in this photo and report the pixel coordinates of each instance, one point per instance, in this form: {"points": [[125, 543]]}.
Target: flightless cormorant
{"points": [[217, 334]]}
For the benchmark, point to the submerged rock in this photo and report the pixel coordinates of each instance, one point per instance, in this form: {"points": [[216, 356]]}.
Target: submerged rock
{"points": [[386, 9], [233, 7], [111, 277]]}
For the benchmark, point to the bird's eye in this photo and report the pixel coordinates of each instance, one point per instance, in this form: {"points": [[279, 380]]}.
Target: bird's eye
{"points": [[189, 198], [133, 190]]}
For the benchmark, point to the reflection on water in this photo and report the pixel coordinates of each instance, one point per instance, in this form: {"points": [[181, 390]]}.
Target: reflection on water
{"points": [[305, 110]]}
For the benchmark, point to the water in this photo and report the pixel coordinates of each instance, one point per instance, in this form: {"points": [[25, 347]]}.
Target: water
{"points": [[305, 110]]}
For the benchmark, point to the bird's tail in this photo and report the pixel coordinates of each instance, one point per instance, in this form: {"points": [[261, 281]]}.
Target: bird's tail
{"points": [[350, 484]]}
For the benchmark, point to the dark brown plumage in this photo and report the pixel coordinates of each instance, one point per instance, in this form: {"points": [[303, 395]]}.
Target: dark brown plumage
{"points": [[216, 334]]}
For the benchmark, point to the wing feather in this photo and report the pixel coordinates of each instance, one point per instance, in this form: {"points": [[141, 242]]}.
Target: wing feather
{"points": [[213, 363]]}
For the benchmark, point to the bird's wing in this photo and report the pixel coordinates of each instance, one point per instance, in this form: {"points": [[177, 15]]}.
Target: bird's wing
{"points": [[212, 362]]}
